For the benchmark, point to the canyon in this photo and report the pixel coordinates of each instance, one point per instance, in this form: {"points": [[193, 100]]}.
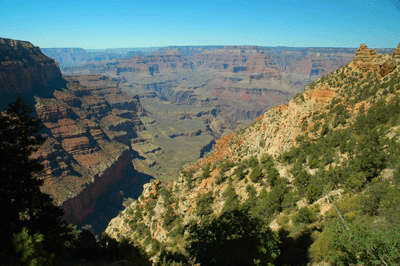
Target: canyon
{"points": [[115, 123], [96, 143], [239, 82], [304, 156]]}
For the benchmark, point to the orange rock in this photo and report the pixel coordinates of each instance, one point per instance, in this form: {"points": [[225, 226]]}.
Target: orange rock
{"points": [[386, 68]]}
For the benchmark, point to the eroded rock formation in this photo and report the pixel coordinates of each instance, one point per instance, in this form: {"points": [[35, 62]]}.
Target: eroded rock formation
{"points": [[23, 67], [397, 50], [89, 124]]}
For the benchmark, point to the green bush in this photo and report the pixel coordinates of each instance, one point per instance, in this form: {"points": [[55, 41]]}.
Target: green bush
{"points": [[256, 174], [313, 193], [169, 217], [234, 238], [204, 203], [272, 176], [206, 171], [30, 248], [303, 216], [241, 171]]}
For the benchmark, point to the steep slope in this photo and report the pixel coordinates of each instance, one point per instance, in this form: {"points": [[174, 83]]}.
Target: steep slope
{"points": [[338, 139], [89, 124], [23, 68]]}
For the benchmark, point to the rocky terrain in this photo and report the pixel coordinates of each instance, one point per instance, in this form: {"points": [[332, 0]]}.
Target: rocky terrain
{"points": [[336, 142], [23, 68]]}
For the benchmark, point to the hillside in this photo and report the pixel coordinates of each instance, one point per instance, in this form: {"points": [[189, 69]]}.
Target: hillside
{"points": [[338, 142]]}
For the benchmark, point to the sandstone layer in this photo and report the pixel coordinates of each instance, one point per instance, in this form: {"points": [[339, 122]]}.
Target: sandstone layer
{"points": [[90, 124]]}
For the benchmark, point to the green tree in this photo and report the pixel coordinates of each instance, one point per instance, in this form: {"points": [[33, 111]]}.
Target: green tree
{"points": [[366, 243], [31, 249], [234, 238], [256, 174], [204, 203], [370, 158], [24, 205]]}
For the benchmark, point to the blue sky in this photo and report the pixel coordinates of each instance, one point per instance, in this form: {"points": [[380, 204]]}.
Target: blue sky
{"points": [[128, 24]]}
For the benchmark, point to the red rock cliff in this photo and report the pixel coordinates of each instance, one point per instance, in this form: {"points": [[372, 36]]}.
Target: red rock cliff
{"points": [[79, 207], [23, 66]]}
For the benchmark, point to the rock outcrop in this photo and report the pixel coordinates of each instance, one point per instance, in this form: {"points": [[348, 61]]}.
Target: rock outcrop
{"points": [[367, 59], [154, 63], [23, 68], [89, 123], [364, 57]]}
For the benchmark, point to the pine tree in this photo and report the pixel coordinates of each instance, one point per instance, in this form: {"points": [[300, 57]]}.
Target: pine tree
{"points": [[24, 205]]}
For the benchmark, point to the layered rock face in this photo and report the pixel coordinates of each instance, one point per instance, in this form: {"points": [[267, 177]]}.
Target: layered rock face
{"points": [[236, 59], [140, 64], [364, 56], [367, 59], [90, 125], [23, 67], [153, 63]]}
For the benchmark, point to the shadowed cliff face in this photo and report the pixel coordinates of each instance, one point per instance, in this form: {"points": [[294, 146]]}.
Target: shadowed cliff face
{"points": [[24, 69]]}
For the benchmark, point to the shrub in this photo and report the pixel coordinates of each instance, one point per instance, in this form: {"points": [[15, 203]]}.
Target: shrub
{"points": [[304, 215], [256, 174], [313, 193], [204, 203], [31, 249], [206, 171], [235, 238]]}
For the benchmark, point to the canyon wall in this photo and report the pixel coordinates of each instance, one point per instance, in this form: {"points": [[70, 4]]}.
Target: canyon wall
{"points": [[78, 208], [89, 124], [23, 68]]}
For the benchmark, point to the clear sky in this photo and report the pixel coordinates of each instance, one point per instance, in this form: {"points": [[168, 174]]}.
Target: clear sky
{"points": [[99, 24]]}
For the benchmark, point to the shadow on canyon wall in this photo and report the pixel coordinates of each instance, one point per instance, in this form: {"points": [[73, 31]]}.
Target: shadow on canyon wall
{"points": [[42, 91], [110, 204]]}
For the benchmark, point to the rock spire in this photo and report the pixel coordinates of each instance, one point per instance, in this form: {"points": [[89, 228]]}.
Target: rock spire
{"points": [[397, 50], [364, 54]]}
